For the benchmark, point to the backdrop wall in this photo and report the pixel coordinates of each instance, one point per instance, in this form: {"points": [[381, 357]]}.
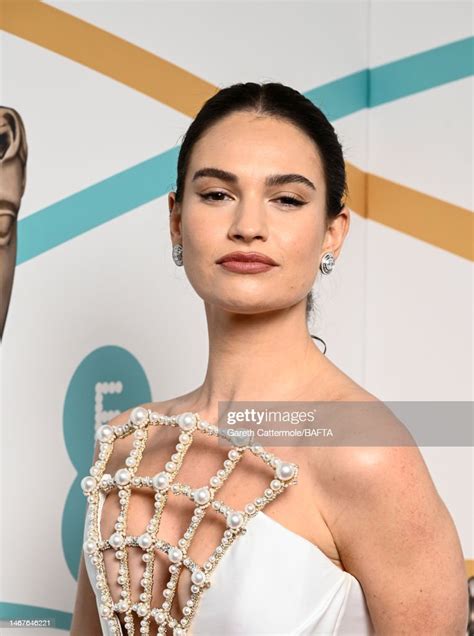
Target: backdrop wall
{"points": [[100, 318]]}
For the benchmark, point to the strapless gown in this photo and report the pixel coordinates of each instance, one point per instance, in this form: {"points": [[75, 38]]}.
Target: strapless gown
{"points": [[273, 582]]}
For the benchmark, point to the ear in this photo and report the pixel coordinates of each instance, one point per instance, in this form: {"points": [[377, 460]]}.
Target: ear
{"points": [[175, 218], [336, 232]]}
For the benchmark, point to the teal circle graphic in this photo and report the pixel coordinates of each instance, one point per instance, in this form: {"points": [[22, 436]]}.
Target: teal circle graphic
{"points": [[108, 381]]}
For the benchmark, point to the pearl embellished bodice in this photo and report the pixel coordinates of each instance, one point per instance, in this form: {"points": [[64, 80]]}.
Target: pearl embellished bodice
{"points": [[261, 579]]}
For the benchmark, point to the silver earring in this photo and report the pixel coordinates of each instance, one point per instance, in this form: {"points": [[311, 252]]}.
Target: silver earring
{"points": [[178, 254], [327, 263]]}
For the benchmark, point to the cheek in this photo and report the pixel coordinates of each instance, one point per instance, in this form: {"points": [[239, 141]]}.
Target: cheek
{"points": [[301, 246], [200, 236], [202, 244]]}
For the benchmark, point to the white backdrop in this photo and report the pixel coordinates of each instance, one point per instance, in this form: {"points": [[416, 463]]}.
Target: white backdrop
{"points": [[100, 301]]}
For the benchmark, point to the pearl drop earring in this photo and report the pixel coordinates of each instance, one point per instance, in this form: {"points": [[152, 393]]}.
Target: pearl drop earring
{"points": [[327, 263], [178, 254]]}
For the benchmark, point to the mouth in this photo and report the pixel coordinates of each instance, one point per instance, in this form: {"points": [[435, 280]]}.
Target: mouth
{"points": [[246, 262]]}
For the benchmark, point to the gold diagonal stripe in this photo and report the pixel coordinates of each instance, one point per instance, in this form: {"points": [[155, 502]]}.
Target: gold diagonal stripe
{"points": [[469, 563], [427, 218], [106, 53], [411, 212]]}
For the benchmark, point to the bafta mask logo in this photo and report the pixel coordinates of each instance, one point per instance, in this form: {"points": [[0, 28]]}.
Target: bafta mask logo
{"points": [[13, 155]]}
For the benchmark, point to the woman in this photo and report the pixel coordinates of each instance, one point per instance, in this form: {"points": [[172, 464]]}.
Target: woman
{"points": [[363, 542]]}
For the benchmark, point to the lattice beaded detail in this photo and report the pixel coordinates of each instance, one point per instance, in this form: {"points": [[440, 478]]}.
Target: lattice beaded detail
{"points": [[98, 483]]}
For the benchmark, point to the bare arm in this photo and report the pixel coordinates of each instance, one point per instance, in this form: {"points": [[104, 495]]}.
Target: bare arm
{"points": [[396, 536], [85, 619]]}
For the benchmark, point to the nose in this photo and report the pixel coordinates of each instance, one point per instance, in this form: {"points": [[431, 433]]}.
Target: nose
{"points": [[249, 221]]}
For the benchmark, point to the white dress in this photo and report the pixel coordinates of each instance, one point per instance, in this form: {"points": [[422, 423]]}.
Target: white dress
{"points": [[275, 582], [270, 582]]}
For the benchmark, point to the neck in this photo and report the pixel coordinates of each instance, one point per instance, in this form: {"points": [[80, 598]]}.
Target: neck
{"points": [[262, 357]]}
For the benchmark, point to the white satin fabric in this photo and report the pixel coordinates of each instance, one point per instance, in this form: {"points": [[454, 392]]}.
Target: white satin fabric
{"points": [[273, 582]]}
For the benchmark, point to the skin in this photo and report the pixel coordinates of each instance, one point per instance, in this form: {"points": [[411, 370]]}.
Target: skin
{"points": [[373, 511]]}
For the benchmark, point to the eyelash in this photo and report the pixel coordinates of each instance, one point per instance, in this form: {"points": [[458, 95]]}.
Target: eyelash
{"points": [[294, 202]]}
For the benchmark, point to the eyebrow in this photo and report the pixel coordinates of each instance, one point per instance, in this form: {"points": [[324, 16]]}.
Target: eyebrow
{"points": [[271, 180]]}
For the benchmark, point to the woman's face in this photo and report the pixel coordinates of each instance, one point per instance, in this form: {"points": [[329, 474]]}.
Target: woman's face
{"points": [[245, 213]]}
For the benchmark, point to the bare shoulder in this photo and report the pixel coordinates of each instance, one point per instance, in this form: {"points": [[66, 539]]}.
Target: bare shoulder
{"points": [[394, 533], [350, 474]]}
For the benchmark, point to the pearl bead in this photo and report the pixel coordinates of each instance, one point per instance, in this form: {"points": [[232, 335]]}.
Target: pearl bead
{"points": [[250, 508], [141, 609], [175, 555], [186, 421], [105, 611], [198, 577], [88, 484], [160, 617], [179, 631], [241, 438], [170, 466], [90, 547], [275, 484], [139, 415], [145, 541], [234, 519], [285, 470], [215, 481], [202, 495], [116, 540], [160, 481], [122, 477], [104, 433]]}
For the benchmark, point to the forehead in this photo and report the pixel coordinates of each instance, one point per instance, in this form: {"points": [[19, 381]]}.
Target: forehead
{"points": [[246, 142]]}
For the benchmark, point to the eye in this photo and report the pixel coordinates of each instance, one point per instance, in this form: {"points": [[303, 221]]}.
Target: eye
{"points": [[291, 201], [207, 196]]}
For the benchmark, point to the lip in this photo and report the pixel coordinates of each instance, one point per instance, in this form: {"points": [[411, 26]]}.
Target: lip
{"points": [[246, 257], [246, 267]]}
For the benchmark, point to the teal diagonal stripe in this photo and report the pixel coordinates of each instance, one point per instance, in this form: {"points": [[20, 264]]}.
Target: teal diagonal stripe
{"points": [[388, 82], [127, 190], [95, 205], [421, 72], [343, 96], [19, 611]]}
